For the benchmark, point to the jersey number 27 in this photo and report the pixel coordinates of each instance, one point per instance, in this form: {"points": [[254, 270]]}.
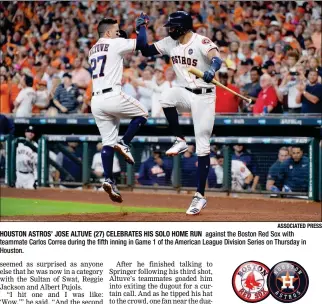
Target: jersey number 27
{"points": [[94, 62]]}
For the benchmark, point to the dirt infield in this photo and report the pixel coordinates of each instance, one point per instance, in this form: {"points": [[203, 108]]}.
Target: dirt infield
{"points": [[219, 209]]}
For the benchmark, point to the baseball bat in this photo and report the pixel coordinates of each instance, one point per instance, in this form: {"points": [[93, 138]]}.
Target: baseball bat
{"points": [[199, 74]]}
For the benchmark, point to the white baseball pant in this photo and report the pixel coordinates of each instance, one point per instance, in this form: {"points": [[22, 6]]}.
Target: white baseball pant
{"points": [[109, 108], [202, 109], [25, 181]]}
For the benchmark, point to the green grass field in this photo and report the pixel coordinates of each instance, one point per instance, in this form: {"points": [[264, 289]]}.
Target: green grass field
{"points": [[18, 206]]}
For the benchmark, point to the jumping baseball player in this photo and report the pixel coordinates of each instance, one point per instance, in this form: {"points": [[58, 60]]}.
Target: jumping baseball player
{"points": [[109, 103], [196, 95], [26, 163]]}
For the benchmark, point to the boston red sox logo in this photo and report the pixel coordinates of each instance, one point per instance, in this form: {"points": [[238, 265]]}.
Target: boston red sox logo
{"points": [[250, 281]]}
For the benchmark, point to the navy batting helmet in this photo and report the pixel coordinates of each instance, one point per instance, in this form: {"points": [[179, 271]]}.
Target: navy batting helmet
{"points": [[179, 22]]}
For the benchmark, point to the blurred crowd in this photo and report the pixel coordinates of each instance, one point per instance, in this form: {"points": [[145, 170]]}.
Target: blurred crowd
{"points": [[271, 52]]}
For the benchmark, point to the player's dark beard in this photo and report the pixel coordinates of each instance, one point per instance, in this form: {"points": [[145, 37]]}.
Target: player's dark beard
{"points": [[176, 33]]}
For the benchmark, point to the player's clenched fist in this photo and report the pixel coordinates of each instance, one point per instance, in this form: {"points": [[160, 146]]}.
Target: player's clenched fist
{"points": [[143, 19], [208, 76]]}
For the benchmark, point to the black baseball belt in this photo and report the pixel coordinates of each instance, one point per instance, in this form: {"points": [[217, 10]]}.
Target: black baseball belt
{"points": [[102, 92], [24, 172], [200, 90]]}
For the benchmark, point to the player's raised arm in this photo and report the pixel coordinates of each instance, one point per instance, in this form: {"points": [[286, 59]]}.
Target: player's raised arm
{"points": [[141, 40], [215, 63]]}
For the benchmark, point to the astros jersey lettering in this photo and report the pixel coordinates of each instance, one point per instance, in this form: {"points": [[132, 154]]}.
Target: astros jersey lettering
{"points": [[26, 166], [194, 53], [106, 60]]}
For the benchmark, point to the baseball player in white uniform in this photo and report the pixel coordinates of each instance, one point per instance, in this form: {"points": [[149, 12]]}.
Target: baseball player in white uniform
{"points": [[193, 94], [109, 103], [241, 177], [26, 163]]}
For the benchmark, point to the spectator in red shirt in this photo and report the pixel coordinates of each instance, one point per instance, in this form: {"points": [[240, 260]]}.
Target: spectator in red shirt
{"points": [[226, 102], [267, 96]]}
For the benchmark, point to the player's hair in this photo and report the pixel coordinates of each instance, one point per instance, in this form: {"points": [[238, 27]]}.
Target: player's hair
{"points": [[29, 80], [284, 149], [104, 25], [297, 147]]}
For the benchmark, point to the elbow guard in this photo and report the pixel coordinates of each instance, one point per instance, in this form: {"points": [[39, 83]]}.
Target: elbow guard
{"points": [[215, 63]]}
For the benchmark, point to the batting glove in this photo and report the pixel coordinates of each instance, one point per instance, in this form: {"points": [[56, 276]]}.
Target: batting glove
{"points": [[208, 76], [143, 19]]}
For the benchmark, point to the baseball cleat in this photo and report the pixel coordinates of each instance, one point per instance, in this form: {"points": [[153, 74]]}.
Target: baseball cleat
{"points": [[179, 146], [110, 188], [198, 203], [124, 150]]}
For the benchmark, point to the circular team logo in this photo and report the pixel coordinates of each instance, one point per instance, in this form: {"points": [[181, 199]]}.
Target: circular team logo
{"points": [[288, 282], [205, 41], [190, 51], [250, 281]]}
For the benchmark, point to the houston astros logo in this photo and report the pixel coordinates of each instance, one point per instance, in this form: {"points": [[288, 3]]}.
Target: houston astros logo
{"points": [[287, 281], [250, 281]]}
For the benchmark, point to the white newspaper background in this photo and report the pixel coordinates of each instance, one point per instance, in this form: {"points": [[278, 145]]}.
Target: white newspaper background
{"points": [[154, 263]]}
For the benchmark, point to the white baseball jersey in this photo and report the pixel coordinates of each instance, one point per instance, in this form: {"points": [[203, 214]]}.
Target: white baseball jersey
{"points": [[106, 60], [25, 100], [26, 167], [194, 53], [239, 172]]}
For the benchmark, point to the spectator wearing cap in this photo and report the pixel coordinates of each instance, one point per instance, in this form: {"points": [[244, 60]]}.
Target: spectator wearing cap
{"points": [[267, 97], [310, 95], [226, 102], [189, 162], [231, 71], [67, 96], [251, 90], [156, 170], [244, 76], [26, 98], [80, 76], [270, 54], [269, 67]]}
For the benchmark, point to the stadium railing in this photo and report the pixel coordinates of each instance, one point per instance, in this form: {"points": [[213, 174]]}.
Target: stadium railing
{"points": [[265, 150]]}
